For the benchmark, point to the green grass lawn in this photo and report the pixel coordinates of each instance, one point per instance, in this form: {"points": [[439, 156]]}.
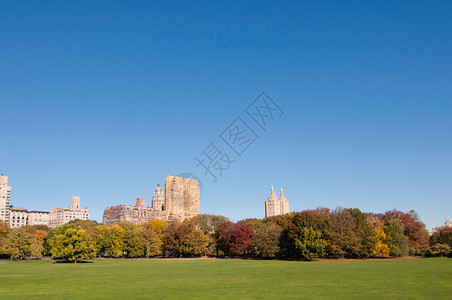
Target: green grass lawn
{"points": [[369, 279]]}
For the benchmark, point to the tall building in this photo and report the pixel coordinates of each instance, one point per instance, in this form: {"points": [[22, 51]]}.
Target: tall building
{"points": [[19, 217], [180, 201], [191, 197], [181, 198], [174, 197], [5, 198], [276, 206], [158, 200], [60, 216], [136, 214]]}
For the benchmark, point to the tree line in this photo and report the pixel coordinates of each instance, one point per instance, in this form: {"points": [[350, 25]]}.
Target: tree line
{"points": [[310, 234]]}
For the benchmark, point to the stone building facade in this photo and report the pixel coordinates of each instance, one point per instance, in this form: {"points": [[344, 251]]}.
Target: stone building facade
{"points": [[179, 201], [275, 206], [5, 198], [17, 217], [158, 200], [136, 214], [38, 218], [21, 217], [181, 198], [60, 216]]}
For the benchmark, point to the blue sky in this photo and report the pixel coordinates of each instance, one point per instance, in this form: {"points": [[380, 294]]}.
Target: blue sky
{"points": [[104, 100]]}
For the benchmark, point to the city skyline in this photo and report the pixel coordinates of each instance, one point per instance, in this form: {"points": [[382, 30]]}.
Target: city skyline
{"points": [[102, 99], [271, 205]]}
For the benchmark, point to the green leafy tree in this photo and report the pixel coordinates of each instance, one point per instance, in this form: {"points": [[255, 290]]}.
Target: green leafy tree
{"points": [[117, 246], [48, 236], [72, 244], [267, 239], [134, 243], [192, 242], [4, 230], [365, 232], [152, 243], [207, 223], [442, 236], [103, 240], [309, 244], [396, 239], [298, 239], [32, 229], [414, 229], [17, 244], [255, 224]]}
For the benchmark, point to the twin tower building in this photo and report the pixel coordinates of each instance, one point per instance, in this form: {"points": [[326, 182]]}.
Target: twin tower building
{"points": [[275, 206], [179, 201]]}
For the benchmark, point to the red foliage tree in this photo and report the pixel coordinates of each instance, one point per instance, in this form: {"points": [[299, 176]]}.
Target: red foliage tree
{"points": [[242, 241], [414, 229], [222, 237]]}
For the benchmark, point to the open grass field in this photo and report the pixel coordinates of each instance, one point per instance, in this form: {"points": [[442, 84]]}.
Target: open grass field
{"points": [[239, 279]]}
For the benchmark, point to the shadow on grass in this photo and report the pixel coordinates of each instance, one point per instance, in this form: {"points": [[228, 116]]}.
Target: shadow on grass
{"points": [[73, 262]]}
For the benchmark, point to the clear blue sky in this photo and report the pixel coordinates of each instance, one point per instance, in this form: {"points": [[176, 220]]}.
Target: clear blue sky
{"points": [[104, 100]]}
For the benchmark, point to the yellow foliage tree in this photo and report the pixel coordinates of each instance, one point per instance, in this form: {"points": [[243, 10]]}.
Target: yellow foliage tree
{"points": [[155, 225], [117, 247], [381, 248], [36, 243]]}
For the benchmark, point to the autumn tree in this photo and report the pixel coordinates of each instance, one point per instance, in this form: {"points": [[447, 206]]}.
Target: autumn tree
{"points": [[414, 229], [117, 245], [133, 239], [37, 240], [72, 244], [192, 242], [17, 244], [157, 226], [183, 239], [242, 241], [255, 224], [439, 250], [88, 225], [222, 237], [152, 243], [381, 247], [32, 229], [267, 239], [442, 236], [103, 240], [207, 223], [308, 218], [396, 239], [170, 241], [4, 230], [349, 234]]}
